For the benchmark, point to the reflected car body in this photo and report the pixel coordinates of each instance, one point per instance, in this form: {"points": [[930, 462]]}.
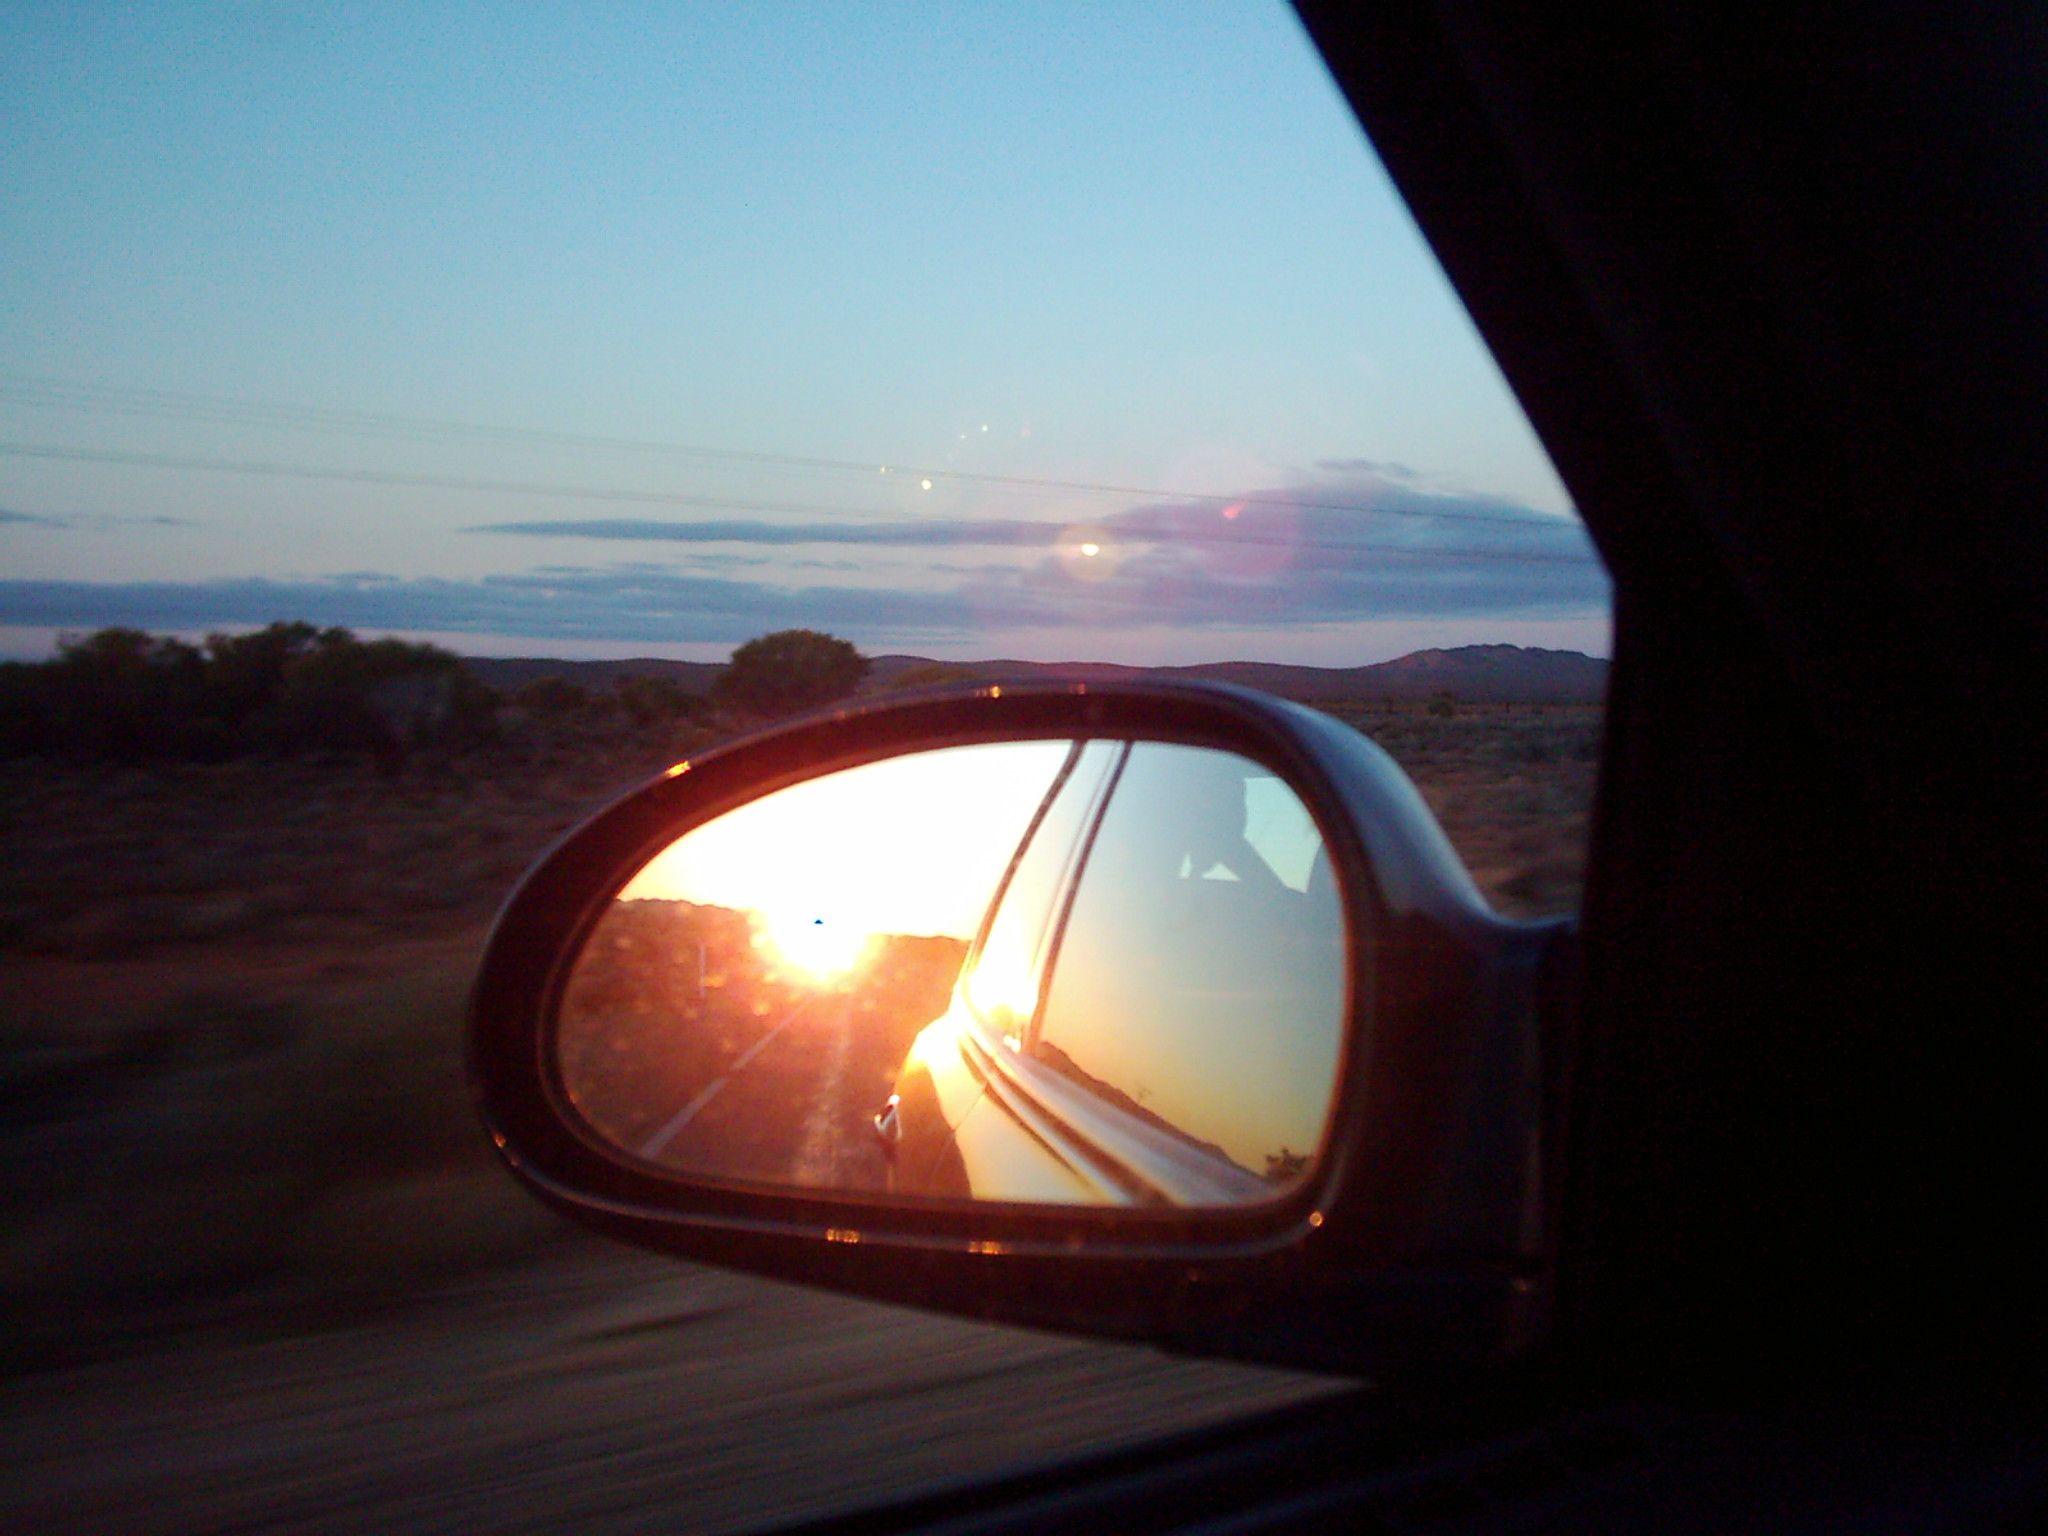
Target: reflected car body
{"points": [[1061, 1074]]}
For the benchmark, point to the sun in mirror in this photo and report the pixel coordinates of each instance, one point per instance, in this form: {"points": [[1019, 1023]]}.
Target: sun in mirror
{"points": [[827, 868], [1041, 971]]}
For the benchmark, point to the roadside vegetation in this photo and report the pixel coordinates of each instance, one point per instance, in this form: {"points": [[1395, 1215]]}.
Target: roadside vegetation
{"points": [[119, 695], [790, 670], [290, 690]]}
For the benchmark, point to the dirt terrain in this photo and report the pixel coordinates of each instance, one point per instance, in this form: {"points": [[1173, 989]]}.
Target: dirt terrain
{"points": [[714, 1059], [258, 1268]]}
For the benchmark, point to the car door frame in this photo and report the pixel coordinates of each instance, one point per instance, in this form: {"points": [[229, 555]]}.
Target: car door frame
{"points": [[1767, 287]]}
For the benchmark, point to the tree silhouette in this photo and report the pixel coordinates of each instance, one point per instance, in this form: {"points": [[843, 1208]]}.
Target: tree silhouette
{"points": [[287, 688], [789, 670]]}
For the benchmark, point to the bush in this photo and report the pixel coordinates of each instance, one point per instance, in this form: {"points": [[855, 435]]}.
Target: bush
{"points": [[552, 698], [245, 674], [288, 688], [24, 709], [936, 674], [122, 694], [657, 701], [789, 670]]}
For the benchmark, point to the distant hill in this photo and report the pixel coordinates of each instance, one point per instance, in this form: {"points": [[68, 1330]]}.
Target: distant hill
{"points": [[1487, 674], [1479, 673], [508, 674]]}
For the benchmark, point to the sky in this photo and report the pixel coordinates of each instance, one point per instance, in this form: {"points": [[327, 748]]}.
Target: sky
{"points": [[1053, 331], [910, 845]]}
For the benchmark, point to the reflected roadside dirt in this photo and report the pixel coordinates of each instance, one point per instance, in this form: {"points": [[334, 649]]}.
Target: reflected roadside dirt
{"points": [[684, 1042]]}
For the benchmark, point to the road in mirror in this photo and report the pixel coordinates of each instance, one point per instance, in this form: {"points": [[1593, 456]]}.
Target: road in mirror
{"points": [[1076, 972]]}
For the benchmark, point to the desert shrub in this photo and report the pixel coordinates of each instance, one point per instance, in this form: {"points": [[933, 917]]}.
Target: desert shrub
{"points": [[657, 701], [327, 691], [130, 696], [124, 696], [935, 675], [552, 698], [1443, 704], [24, 709], [789, 670], [471, 713], [245, 674]]}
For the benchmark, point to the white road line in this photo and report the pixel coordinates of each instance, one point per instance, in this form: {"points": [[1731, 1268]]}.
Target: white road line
{"points": [[653, 1146], [816, 1160]]}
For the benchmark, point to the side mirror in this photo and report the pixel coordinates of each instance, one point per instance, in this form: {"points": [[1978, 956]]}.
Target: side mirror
{"points": [[1153, 1012]]}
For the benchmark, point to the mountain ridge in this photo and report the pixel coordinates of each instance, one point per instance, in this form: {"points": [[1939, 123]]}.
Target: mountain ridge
{"points": [[1493, 674]]}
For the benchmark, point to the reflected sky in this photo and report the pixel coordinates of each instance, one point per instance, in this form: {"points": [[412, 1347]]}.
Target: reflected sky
{"points": [[912, 845], [1194, 976]]}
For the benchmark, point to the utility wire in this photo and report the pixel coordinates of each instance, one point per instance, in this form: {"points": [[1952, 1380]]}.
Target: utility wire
{"points": [[274, 468], [407, 477], [115, 400]]}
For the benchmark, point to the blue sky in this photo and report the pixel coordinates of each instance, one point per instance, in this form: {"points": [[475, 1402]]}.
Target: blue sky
{"points": [[590, 330]]}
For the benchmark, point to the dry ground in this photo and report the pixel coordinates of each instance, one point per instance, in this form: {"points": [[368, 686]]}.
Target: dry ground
{"points": [[258, 1269]]}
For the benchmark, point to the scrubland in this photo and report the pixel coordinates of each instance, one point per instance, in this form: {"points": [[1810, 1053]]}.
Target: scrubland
{"points": [[1513, 787], [232, 997], [236, 1129]]}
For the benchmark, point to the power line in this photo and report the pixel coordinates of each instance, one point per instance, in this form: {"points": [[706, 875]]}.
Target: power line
{"points": [[118, 400], [405, 477], [1053, 531]]}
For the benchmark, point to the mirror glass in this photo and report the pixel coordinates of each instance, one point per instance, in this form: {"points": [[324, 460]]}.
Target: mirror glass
{"points": [[1077, 972]]}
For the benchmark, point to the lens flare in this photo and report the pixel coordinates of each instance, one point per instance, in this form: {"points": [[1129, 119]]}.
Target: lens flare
{"points": [[809, 947], [1085, 553]]}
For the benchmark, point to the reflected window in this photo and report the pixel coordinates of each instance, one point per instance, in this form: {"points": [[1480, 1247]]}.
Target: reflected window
{"points": [[1199, 981], [1282, 833], [1002, 986]]}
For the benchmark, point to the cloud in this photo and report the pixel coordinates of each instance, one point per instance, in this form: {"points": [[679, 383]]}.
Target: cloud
{"points": [[1356, 546], [1354, 501], [1392, 469], [1348, 547], [905, 532], [982, 568], [96, 521], [1360, 527], [618, 604], [1149, 590]]}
